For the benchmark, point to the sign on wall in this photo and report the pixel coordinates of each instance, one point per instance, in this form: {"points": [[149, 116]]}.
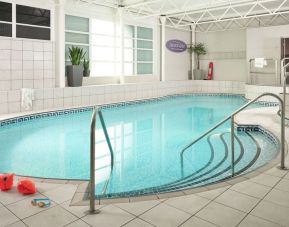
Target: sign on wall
{"points": [[176, 45]]}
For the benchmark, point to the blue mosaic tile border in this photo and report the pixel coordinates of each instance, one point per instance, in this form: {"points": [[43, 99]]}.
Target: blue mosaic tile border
{"points": [[56, 113]]}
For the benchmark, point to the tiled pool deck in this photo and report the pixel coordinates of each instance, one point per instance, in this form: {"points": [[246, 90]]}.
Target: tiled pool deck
{"points": [[262, 200]]}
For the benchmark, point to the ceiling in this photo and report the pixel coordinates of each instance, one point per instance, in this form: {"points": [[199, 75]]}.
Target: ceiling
{"points": [[206, 15]]}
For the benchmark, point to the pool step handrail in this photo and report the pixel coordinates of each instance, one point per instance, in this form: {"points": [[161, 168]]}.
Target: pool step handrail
{"points": [[97, 111], [285, 76], [232, 117]]}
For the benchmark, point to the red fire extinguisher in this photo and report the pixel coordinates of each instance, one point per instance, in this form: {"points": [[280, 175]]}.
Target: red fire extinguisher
{"points": [[210, 71]]}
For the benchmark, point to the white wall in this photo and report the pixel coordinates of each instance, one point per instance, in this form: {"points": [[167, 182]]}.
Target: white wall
{"points": [[266, 42], [227, 50], [177, 65]]}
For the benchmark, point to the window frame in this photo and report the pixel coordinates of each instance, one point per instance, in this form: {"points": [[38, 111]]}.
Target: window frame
{"points": [[135, 39], [8, 22], [34, 5]]}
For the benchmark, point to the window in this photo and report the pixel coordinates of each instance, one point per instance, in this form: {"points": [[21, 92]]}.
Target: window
{"points": [[105, 48], [138, 50], [101, 41], [5, 19], [76, 34], [32, 23]]}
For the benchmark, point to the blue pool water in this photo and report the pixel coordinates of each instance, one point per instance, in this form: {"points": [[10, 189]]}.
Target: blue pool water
{"points": [[147, 139]]}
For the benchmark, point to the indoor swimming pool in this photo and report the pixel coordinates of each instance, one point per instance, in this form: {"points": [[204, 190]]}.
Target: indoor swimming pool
{"points": [[147, 138]]}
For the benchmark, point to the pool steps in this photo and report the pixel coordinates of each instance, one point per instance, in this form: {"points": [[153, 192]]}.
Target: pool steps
{"points": [[203, 176]]}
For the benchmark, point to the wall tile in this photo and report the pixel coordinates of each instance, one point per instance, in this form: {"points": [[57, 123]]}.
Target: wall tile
{"points": [[48, 47], [5, 44], [3, 97], [16, 55], [37, 46], [28, 55], [28, 74], [5, 54], [5, 75], [38, 84], [5, 65], [16, 75], [16, 84], [4, 84], [38, 56], [14, 96], [16, 45], [38, 64], [27, 65], [28, 84], [27, 45], [16, 65], [4, 108]]}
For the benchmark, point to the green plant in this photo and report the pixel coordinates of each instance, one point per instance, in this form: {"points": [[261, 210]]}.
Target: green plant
{"points": [[86, 64], [76, 55], [199, 49]]}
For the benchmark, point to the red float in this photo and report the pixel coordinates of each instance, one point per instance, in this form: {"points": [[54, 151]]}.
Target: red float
{"points": [[6, 182], [26, 187]]}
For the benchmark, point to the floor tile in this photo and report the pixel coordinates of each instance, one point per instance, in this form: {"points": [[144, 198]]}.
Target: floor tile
{"points": [[287, 176], [221, 215], [23, 208], [266, 180], [11, 196], [44, 187], [283, 185], [251, 188], [137, 223], [237, 200], [78, 223], [79, 211], [61, 194], [276, 172], [212, 194], [55, 216], [190, 203], [110, 216], [272, 212], [164, 215], [279, 197], [252, 221], [6, 217], [17, 224], [197, 222], [138, 208]]}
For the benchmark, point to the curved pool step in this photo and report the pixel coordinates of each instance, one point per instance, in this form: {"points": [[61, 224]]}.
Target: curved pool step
{"points": [[203, 175]]}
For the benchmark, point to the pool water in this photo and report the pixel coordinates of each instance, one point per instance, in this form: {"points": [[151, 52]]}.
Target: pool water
{"points": [[146, 138]]}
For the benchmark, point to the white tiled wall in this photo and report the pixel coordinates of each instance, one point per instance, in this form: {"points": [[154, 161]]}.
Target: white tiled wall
{"points": [[26, 64], [50, 98]]}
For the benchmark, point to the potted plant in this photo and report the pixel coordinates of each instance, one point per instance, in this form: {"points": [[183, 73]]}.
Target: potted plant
{"points": [[86, 70], [75, 70], [199, 49]]}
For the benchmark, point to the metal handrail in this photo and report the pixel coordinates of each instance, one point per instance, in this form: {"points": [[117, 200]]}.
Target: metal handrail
{"points": [[97, 111], [232, 117], [285, 76]]}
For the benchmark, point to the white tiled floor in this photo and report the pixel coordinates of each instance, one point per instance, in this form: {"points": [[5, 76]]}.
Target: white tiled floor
{"points": [[244, 204]]}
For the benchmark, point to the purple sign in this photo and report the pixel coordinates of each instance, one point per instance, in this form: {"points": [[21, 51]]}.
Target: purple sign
{"points": [[176, 45]]}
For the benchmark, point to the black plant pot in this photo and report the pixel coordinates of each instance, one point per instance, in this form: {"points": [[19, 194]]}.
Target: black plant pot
{"points": [[86, 73], [74, 75]]}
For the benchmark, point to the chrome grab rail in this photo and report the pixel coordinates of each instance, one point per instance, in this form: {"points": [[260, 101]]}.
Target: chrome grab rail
{"points": [[97, 111], [232, 117], [283, 71]]}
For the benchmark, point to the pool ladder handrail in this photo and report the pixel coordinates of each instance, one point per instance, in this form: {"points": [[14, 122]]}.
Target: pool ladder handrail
{"points": [[232, 117], [97, 111]]}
